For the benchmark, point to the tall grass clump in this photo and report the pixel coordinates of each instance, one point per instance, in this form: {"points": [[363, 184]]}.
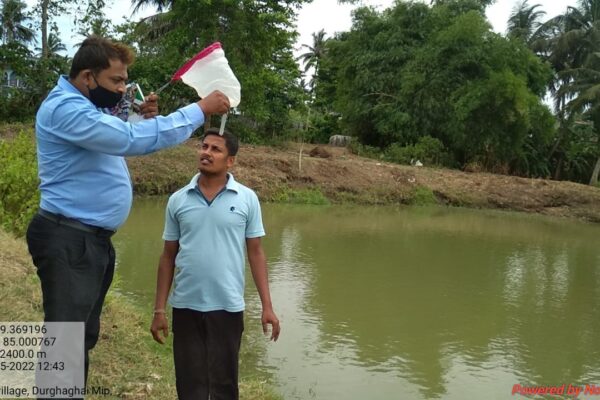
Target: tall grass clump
{"points": [[19, 195], [311, 196], [422, 196]]}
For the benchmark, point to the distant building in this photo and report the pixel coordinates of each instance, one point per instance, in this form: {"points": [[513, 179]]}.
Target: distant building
{"points": [[10, 79]]}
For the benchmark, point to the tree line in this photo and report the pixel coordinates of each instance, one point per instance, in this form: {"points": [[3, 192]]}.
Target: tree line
{"points": [[431, 82]]}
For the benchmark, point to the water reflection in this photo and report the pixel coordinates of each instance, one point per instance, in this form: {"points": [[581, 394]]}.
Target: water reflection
{"points": [[439, 310], [385, 303]]}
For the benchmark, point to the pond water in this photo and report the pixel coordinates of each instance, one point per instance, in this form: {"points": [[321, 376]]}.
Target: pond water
{"points": [[387, 303]]}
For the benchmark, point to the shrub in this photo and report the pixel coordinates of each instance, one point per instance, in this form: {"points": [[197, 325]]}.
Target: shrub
{"points": [[400, 154], [428, 150], [18, 182], [322, 127], [422, 196], [365, 150], [17, 104]]}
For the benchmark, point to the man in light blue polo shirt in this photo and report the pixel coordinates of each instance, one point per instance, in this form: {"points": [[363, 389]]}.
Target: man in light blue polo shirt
{"points": [[209, 224], [85, 187]]}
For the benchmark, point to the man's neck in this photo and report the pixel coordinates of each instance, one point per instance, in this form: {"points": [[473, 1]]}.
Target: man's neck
{"points": [[79, 85], [212, 182]]}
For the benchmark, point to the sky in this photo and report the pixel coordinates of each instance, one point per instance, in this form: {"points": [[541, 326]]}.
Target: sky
{"points": [[329, 15], [321, 14]]}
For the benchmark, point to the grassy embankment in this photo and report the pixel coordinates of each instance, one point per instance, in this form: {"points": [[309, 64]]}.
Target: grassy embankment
{"points": [[280, 175], [126, 360], [277, 175]]}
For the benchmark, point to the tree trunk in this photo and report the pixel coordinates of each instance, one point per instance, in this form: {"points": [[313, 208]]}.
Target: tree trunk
{"points": [[558, 169], [45, 4], [45, 52], [596, 121], [594, 178]]}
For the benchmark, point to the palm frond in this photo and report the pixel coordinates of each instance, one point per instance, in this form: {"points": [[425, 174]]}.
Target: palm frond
{"points": [[155, 26], [160, 5]]}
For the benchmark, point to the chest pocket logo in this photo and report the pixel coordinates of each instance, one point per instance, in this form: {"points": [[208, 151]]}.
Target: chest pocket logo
{"points": [[235, 216]]}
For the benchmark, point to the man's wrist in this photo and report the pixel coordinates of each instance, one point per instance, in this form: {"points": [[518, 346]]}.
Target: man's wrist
{"points": [[268, 307]]}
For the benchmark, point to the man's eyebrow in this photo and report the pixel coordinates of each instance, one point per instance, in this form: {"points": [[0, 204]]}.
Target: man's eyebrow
{"points": [[217, 145]]}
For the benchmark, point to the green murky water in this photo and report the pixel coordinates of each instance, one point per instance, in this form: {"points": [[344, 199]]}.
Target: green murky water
{"points": [[407, 303]]}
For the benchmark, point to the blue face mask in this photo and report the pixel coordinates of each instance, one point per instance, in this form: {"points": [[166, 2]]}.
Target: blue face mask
{"points": [[101, 97]]}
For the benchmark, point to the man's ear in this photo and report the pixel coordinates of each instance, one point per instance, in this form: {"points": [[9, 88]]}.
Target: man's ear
{"points": [[87, 77], [230, 161]]}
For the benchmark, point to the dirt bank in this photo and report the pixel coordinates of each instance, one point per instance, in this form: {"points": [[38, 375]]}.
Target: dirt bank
{"points": [[344, 177]]}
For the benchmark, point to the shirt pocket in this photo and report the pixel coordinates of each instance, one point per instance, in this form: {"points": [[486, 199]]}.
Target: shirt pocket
{"points": [[235, 216]]}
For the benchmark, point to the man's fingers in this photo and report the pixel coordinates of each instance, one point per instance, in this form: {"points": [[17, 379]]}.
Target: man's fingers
{"points": [[215, 103], [227, 104], [152, 98], [156, 336], [276, 331], [150, 114], [157, 328], [223, 103], [149, 109]]}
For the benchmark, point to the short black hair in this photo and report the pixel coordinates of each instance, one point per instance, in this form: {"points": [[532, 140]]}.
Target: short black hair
{"points": [[231, 141], [96, 52]]}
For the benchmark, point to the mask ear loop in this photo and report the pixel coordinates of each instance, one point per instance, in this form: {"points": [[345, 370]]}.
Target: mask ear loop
{"points": [[94, 78]]}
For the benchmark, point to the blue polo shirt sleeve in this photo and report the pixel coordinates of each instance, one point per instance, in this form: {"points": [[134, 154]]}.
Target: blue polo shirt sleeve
{"points": [[254, 225], [77, 121], [171, 231]]}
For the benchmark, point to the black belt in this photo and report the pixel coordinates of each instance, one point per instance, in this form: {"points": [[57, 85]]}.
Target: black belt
{"points": [[73, 223]]}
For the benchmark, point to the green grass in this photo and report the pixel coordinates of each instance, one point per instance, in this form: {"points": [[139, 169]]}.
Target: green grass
{"points": [[422, 196], [18, 181], [312, 196]]}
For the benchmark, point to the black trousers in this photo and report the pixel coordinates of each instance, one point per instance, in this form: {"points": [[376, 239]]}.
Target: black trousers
{"points": [[206, 348], [75, 269]]}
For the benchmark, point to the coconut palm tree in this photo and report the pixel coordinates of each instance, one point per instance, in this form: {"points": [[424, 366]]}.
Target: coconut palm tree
{"points": [[54, 46], [157, 25], [13, 18], [573, 44], [524, 21], [572, 38], [584, 91], [160, 5], [312, 57]]}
